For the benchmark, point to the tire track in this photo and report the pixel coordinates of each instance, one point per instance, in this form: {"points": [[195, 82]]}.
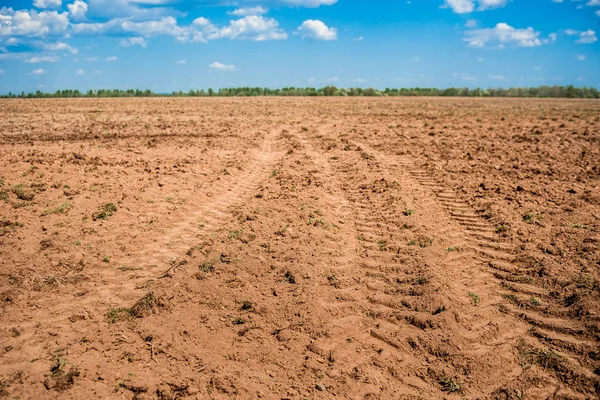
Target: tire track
{"points": [[208, 216], [405, 299], [577, 355]]}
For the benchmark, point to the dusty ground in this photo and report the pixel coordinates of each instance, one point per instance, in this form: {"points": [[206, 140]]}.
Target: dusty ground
{"points": [[300, 248]]}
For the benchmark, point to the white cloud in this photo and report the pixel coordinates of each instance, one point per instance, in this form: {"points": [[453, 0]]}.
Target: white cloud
{"points": [[133, 41], [359, 80], [460, 6], [359, 39], [497, 77], [587, 37], [91, 59], [78, 10], [32, 23], [80, 72], [593, 3], [111, 58], [503, 34], [39, 71], [60, 46], [581, 57], [471, 23], [47, 3], [244, 11], [598, 13], [180, 62], [468, 6], [222, 67], [331, 80], [315, 29], [36, 60], [251, 27]]}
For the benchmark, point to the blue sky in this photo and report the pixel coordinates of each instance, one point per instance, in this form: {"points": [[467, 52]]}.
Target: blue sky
{"points": [[167, 45]]}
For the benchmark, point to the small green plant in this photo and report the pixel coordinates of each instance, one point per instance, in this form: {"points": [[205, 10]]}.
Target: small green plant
{"points": [[535, 302], [225, 172], [274, 173], [106, 259], [452, 248], [449, 385], [409, 212], [105, 211], [382, 244], [501, 228], [30, 170], [412, 242], [207, 266], [118, 314], [475, 298], [61, 209], [531, 218], [235, 234], [6, 226], [21, 194], [579, 226]]}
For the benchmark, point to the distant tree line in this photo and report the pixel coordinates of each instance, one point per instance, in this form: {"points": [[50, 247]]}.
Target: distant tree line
{"points": [[540, 91]]}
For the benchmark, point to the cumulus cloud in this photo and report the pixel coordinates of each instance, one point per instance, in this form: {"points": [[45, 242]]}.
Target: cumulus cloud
{"points": [[91, 59], [315, 29], [133, 41], [111, 58], [468, 6], [180, 62], [60, 46], [581, 57], [460, 6], [80, 72], [244, 11], [503, 34], [497, 77], [32, 23], [39, 71], [217, 66], [251, 27], [78, 10], [47, 3], [36, 60], [587, 37]]}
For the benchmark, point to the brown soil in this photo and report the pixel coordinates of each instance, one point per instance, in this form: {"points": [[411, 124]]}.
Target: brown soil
{"points": [[300, 248]]}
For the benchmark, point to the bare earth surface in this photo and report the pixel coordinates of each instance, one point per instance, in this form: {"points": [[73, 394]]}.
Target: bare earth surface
{"points": [[300, 248]]}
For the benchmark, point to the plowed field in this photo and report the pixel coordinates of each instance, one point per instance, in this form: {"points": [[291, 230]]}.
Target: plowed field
{"points": [[291, 248]]}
